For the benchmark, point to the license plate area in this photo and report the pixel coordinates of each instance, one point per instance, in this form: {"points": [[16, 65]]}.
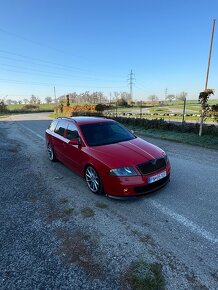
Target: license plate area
{"points": [[157, 177]]}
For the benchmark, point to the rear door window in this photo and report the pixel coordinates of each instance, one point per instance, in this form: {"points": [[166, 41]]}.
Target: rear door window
{"points": [[60, 128]]}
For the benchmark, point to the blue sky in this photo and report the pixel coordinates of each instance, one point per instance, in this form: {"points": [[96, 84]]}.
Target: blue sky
{"points": [[92, 45]]}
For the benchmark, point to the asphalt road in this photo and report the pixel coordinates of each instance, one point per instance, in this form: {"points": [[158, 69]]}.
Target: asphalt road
{"points": [[175, 226]]}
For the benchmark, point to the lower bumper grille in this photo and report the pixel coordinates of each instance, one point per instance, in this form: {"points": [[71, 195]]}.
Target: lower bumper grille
{"points": [[152, 186]]}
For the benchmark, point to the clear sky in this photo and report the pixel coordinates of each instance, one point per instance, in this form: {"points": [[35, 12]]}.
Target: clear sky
{"points": [[92, 45]]}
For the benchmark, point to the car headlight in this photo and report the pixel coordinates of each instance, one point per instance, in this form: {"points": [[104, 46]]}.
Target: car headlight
{"points": [[123, 171]]}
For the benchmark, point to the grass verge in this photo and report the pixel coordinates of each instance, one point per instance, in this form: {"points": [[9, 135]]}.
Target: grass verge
{"points": [[206, 141]]}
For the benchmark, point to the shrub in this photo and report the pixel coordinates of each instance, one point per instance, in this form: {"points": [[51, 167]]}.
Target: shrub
{"points": [[100, 107], [30, 107], [3, 106], [163, 125]]}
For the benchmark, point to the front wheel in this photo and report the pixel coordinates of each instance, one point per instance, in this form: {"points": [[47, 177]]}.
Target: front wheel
{"points": [[93, 180], [51, 155]]}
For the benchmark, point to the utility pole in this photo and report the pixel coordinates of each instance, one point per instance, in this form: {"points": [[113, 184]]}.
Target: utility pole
{"points": [[131, 79], [207, 75], [183, 115]]}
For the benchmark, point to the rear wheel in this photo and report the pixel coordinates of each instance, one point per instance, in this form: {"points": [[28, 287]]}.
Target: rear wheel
{"points": [[93, 180], [51, 155]]}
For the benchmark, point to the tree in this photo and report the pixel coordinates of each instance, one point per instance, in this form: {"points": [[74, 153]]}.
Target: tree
{"points": [[9, 101], [182, 96], [48, 100], [214, 111], [122, 103], [26, 101], [68, 100], [3, 106], [33, 100], [100, 107], [203, 99], [153, 98], [170, 97]]}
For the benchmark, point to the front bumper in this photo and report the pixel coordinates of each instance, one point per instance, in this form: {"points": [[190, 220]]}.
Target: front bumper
{"points": [[134, 185]]}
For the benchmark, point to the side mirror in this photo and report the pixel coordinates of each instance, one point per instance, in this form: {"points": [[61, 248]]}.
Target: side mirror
{"points": [[75, 141]]}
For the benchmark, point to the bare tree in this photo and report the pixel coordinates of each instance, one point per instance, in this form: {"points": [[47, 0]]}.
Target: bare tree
{"points": [[33, 100], [182, 96], [9, 101], [26, 101], [153, 98], [170, 97], [48, 100]]}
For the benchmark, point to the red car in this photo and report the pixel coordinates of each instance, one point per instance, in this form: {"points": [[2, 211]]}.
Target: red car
{"points": [[111, 158]]}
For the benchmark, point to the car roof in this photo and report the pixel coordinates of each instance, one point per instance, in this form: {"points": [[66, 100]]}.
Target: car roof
{"points": [[86, 120]]}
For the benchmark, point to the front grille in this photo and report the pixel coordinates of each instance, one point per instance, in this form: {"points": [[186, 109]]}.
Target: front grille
{"points": [[151, 186], [151, 166]]}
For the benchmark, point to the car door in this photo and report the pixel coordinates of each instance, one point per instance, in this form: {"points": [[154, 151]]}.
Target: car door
{"points": [[74, 153], [59, 140]]}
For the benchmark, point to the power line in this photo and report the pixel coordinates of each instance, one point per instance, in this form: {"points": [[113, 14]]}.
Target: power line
{"points": [[59, 85], [40, 60], [40, 44]]}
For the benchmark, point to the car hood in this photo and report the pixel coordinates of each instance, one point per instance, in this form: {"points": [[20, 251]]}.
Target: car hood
{"points": [[127, 153]]}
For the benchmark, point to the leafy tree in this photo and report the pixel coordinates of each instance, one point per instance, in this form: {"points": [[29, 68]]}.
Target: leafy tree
{"points": [[122, 103], [214, 111], [100, 107], [68, 100]]}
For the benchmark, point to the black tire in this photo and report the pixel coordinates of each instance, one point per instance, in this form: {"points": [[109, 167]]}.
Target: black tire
{"points": [[93, 180], [51, 154]]}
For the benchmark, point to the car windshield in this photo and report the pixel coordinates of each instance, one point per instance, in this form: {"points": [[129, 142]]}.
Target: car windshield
{"points": [[103, 133]]}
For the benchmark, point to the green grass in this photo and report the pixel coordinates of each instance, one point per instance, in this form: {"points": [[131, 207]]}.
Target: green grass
{"points": [[43, 107], [87, 212], [68, 211], [206, 141], [101, 204], [143, 276], [159, 110]]}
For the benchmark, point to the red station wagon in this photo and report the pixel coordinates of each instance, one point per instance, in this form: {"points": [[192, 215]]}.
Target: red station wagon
{"points": [[111, 158]]}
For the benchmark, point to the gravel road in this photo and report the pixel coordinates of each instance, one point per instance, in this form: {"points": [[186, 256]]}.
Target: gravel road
{"points": [[55, 234]]}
